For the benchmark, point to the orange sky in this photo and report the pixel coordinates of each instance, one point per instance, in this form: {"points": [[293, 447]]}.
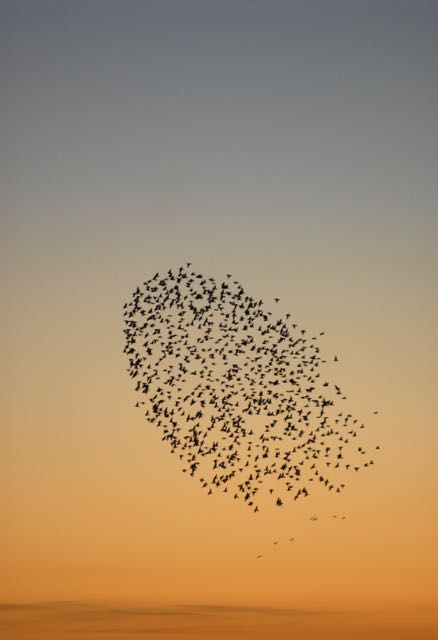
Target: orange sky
{"points": [[97, 508], [292, 146]]}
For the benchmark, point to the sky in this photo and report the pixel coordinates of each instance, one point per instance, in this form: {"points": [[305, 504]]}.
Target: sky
{"points": [[292, 144]]}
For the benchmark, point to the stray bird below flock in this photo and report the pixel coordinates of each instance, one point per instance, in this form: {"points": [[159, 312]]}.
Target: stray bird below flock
{"points": [[237, 394], [313, 519]]}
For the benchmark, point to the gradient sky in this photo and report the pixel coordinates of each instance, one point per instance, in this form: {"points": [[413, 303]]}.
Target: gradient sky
{"points": [[293, 144]]}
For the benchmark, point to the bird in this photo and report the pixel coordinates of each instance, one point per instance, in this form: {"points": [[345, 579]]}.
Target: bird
{"points": [[238, 396]]}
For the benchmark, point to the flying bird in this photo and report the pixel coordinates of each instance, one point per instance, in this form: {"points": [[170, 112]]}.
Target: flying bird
{"points": [[236, 395]]}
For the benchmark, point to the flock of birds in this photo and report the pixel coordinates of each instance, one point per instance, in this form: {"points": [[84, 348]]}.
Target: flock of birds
{"points": [[237, 394]]}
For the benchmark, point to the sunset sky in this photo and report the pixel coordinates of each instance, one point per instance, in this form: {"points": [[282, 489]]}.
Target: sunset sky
{"points": [[293, 144]]}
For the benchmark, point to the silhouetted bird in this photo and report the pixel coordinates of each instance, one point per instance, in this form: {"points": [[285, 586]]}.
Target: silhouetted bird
{"points": [[236, 393]]}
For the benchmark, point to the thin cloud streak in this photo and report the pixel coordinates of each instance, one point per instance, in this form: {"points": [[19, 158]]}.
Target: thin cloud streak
{"points": [[89, 620]]}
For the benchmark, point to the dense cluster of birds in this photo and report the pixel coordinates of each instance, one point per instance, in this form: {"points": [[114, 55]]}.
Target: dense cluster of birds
{"points": [[237, 394]]}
